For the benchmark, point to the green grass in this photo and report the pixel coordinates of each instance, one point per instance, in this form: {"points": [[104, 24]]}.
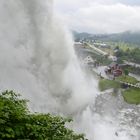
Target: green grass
{"points": [[132, 96], [105, 84], [127, 79]]}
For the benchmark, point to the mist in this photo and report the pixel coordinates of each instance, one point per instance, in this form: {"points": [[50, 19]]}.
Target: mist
{"points": [[37, 56]]}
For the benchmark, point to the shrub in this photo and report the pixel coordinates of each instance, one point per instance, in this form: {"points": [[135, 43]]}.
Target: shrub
{"points": [[17, 122]]}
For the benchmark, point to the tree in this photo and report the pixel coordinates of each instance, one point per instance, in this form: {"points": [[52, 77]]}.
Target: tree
{"points": [[17, 122], [126, 72]]}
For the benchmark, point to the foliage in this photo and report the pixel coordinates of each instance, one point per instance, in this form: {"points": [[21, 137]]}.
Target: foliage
{"points": [[105, 84], [132, 55], [126, 72], [125, 51], [132, 96], [132, 69], [16, 122]]}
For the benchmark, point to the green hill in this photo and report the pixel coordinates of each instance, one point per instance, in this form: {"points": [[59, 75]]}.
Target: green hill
{"points": [[126, 37]]}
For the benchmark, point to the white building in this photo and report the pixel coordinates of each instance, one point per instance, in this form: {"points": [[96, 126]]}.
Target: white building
{"points": [[88, 60]]}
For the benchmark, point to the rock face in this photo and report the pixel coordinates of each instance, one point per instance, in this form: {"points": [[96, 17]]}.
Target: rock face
{"points": [[126, 116]]}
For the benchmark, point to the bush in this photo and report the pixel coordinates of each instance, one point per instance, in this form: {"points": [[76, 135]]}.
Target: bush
{"points": [[16, 122]]}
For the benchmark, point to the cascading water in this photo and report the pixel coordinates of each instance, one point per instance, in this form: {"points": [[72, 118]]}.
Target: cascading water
{"points": [[37, 59]]}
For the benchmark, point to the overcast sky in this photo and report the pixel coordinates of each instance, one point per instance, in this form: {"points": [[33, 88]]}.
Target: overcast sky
{"points": [[99, 16]]}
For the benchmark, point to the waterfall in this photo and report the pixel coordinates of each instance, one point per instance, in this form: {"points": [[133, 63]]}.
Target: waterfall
{"points": [[37, 59]]}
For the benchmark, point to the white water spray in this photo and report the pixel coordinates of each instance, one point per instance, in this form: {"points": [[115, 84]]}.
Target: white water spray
{"points": [[37, 59]]}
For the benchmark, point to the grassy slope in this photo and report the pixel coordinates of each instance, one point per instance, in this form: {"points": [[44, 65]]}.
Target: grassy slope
{"points": [[132, 96], [105, 84], [127, 79]]}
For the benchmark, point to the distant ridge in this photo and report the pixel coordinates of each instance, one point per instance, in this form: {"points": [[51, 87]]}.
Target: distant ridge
{"points": [[127, 37]]}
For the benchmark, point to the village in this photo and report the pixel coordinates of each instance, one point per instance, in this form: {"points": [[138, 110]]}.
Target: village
{"points": [[111, 73]]}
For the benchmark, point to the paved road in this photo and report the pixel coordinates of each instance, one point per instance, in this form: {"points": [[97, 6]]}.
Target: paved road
{"points": [[135, 76], [132, 64], [96, 49]]}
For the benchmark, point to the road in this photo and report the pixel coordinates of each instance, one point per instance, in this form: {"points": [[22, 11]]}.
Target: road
{"points": [[97, 50], [132, 64]]}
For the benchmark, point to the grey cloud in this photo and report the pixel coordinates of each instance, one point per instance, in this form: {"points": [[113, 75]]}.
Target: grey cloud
{"points": [[98, 17]]}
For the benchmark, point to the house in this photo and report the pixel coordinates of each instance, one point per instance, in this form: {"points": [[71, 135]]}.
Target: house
{"points": [[114, 69]]}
